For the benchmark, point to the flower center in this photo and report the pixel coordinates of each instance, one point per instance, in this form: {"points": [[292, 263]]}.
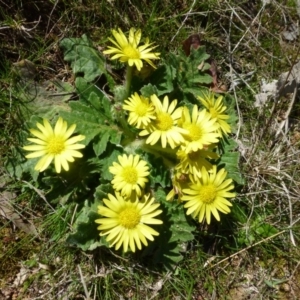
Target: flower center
{"points": [[130, 175], [131, 52], [129, 217], [208, 193], [195, 132], [164, 121], [213, 112], [142, 109], [194, 155], [56, 145]]}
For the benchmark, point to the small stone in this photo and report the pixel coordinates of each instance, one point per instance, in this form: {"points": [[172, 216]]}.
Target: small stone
{"points": [[285, 287]]}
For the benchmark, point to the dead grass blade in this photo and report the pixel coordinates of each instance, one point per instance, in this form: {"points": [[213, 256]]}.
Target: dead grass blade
{"points": [[8, 212]]}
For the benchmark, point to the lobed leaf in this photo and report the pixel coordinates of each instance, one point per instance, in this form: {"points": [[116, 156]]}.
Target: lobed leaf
{"points": [[86, 235], [230, 160], [85, 59], [174, 234]]}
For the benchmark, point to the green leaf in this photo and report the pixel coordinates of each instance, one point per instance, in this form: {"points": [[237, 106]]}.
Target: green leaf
{"points": [[102, 190], [149, 90], [16, 166], [93, 118], [162, 79], [120, 93], [160, 173], [175, 233], [94, 96], [86, 235], [87, 121], [190, 72], [238, 213], [85, 59], [107, 162], [196, 91], [100, 143], [200, 78], [229, 159], [198, 55], [257, 229], [74, 184]]}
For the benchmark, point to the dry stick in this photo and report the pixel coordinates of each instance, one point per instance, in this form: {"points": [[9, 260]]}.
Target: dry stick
{"points": [[231, 75], [39, 192], [74, 214], [54, 6], [286, 116], [249, 27], [183, 22], [83, 283], [293, 273], [251, 246], [291, 211], [232, 51], [255, 147], [247, 248]]}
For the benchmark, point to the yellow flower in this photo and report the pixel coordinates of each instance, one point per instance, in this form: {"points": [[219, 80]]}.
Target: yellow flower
{"points": [[208, 195], [54, 144], [130, 174], [201, 128], [216, 109], [192, 162], [126, 222], [164, 126], [141, 110], [129, 51]]}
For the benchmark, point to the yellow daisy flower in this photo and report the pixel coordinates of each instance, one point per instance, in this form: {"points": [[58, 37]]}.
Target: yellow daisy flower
{"points": [[141, 110], [126, 222], [130, 174], [164, 126], [216, 109], [54, 145], [192, 162], [129, 51], [208, 195], [201, 128]]}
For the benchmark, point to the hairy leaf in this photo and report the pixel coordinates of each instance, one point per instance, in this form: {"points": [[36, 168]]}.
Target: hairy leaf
{"points": [[162, 79], [86, 235], [230, 160], [149, 90], [174, 234], [85, 59], [93, 118]]}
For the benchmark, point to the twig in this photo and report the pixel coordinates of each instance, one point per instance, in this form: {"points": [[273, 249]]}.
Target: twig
{"points": [[231, 76], [50, 17], [247, 248], [286, 116], [87, 294], [276, 100], [39, 192], [291, 211], [252, 246], [74, 214], [248, 28], [183, 22]]}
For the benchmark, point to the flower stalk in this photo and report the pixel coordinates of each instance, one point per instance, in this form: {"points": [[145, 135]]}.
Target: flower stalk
{"points": [[128, 79]]}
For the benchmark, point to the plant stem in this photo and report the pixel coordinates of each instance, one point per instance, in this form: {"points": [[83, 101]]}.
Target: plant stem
{"points": [[121, 119], [128, 78], [168, 155]]}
